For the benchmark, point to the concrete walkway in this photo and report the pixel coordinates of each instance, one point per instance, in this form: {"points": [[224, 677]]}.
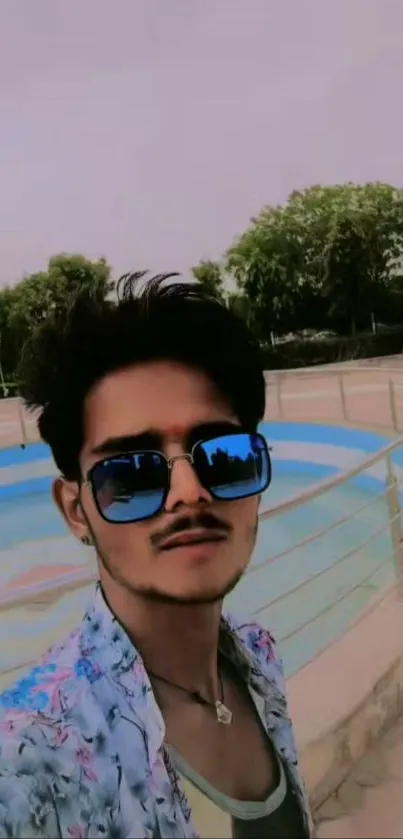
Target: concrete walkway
{"points": [[369, 805]]}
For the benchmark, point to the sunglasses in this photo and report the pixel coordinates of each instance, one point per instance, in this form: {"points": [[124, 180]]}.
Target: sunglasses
{"points": [[133, 486]]}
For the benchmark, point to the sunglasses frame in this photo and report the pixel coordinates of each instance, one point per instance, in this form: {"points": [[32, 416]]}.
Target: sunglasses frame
{"points": [[168, 462]]}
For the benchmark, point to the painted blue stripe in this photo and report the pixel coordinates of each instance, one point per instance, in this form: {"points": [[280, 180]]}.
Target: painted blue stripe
{"points": [[397, 457], [353, 438], [39, 491], [17, 455], [298, 467], [318, 471], [280, 467], [296, 432], [29, 487]]}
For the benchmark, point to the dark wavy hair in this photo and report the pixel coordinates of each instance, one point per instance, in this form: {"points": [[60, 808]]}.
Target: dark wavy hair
{"points": [[147, 319]]}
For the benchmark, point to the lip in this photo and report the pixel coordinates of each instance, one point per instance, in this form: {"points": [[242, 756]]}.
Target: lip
{"points": [[192, 538]]}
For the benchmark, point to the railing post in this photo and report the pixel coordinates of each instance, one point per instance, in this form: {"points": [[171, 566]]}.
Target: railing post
{"points": [[394, 509], [392, 402], [343, 397], [20, 411], [279, 399]]}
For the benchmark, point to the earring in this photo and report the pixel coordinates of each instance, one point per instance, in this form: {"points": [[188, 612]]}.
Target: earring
{"points": [[86, 540]]}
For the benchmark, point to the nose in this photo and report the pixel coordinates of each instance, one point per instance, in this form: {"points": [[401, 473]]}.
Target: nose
{"points": [[185, 487]]}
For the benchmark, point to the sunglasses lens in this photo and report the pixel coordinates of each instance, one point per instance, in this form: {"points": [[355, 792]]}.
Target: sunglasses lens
{"points": [[130, 487], [234, 466]]}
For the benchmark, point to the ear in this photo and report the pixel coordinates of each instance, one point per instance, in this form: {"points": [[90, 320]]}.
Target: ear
{"points": [[66, 495]]}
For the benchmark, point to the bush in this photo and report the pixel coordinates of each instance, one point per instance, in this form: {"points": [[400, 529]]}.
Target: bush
{"points": [[332, 350], [310, 353]]}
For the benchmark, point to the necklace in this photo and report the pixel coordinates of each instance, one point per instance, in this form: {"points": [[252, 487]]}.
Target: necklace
{"points": [[224, 715]]}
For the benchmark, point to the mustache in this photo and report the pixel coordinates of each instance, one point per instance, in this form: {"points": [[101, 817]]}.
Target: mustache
{"points": [[203, 520]]}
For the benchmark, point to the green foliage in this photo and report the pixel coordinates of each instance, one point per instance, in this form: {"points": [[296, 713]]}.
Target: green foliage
{"points": [[331, 259], [325, 259], [24, 306], [308, 353], [241, 305], [209, 274]]}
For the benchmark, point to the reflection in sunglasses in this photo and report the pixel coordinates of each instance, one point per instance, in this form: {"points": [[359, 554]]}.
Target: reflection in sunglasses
{"points": [[133, 486]]}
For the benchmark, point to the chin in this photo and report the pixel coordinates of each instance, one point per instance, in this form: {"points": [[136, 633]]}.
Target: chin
{"points": [[195, 595]]}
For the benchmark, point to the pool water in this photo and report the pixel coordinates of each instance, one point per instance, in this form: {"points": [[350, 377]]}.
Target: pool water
{"points": [[330, 590]]}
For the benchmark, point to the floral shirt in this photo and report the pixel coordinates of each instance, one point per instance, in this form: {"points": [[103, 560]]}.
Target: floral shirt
{"points": [[82, 738]]}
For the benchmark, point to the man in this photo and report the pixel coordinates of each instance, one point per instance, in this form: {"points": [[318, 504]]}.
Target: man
{"points": [[157, 716]]}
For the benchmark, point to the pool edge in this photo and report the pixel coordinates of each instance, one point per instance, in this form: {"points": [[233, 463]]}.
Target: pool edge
{"points": [[335, 725]]}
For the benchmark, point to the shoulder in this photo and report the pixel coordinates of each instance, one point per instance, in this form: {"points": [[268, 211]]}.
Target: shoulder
{"points": [[260, 648], [59, 675], [52, 696], [48, 726], [257, 640], [30, 763]]}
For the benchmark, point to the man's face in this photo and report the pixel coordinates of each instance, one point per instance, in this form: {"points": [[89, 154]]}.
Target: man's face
{"points": [[171, 407]]}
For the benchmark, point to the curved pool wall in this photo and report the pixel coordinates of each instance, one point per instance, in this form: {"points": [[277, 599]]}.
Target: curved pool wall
{"points": [[300, 448], [304, 620]]}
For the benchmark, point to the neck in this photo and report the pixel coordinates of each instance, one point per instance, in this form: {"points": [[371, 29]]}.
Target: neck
{"points": [[178, 642]]}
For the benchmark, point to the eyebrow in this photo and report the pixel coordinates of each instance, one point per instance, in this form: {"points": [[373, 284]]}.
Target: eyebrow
{"points": [[129, 443], [207, 430], [153, 440]]}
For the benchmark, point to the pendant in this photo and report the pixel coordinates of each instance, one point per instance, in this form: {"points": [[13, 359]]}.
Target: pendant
{"points": [[224, 715]]}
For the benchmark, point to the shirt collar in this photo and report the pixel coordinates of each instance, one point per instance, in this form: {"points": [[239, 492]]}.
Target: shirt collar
{"points": [[108, 638], [123, 679]]}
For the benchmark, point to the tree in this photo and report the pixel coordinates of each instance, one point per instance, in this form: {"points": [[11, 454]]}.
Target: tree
{"points": [[209, 274], [324, 259], [24, 306], [7, 349], [267, 265], [355, 233], [37, 295], [239, 303], [352, 289]]}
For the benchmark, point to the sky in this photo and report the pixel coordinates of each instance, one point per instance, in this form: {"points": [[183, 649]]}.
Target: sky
{"points": [[150, 132]]}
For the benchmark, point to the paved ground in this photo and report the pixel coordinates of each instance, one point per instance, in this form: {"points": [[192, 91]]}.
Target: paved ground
{"points": [[370, 803], [364, 396]]}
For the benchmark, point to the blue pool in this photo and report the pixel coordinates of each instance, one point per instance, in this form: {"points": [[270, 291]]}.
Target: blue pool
{"points": [[307, 596]]}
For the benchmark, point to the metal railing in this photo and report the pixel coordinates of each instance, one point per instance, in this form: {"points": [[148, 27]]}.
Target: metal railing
{"points": [[356, 395], [337, 570], [368, 565], [17, 426]]}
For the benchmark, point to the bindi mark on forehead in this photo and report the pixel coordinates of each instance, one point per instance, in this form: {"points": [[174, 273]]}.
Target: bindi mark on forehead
{"points": [[176, 431]]}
